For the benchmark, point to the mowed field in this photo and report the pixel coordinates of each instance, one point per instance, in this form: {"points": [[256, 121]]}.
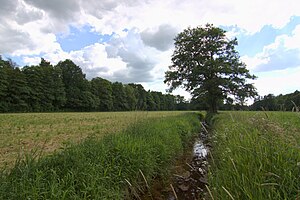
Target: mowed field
{"points": [[125, 152], [46, 132]]}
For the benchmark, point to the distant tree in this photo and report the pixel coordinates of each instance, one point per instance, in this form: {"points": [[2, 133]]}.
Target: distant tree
{"points": [[4, 67], [77, 87], [102, 89], [120, 102], [140, 95], [58, 89], [169, 102], [17, 91], [268, 102], [157, 99], [34, 80], [206, 63], [150, 102], [181, 103], [131, 98]]}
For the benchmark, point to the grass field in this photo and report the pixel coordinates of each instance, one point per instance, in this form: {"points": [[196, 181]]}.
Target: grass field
{"points": [[25, 132], [113, 166], [255, 155]]}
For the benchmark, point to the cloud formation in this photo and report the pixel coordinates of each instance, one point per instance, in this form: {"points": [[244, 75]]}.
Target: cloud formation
{"points": [[139, 59], [162, 39], [283, 53], [30, 29]]}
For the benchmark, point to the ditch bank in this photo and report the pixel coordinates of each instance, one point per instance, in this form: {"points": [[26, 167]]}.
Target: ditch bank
{"points": [[117, 166], [188, 178]]}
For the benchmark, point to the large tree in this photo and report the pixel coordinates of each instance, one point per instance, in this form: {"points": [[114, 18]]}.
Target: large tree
{"points": [[206, 63], [77, 87]]}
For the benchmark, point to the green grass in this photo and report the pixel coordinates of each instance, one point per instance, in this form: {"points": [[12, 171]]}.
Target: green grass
{"points": [[115, 166], [25, 132], [255, 155]]}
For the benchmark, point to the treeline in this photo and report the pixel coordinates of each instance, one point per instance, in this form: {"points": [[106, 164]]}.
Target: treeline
{"points": [[288, 102], [270, 102], [64, 87]]}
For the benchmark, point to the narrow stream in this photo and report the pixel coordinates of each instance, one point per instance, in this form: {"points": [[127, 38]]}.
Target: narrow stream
{"points": [[189, 175], [191, 183]]}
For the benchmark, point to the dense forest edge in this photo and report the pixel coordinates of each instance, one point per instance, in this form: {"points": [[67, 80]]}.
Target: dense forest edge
{"points": [[64, 87]]}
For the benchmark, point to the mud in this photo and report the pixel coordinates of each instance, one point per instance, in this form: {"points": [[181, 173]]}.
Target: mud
{"points": [[191, 183], [189, 175]]}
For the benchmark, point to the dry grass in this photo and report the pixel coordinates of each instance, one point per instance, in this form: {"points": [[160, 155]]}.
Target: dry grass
{"points": [[21, 133]]}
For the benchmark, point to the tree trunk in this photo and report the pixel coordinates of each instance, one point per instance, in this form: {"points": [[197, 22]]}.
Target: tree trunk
{"points": [[213, 106]]}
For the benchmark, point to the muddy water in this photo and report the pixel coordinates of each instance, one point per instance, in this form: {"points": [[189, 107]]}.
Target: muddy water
{"points": [[189, 176], [190, 184]]}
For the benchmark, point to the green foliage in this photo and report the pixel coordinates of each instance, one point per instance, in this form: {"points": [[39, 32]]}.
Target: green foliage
{"points": [[46, 89], [102, 89], [206, 63], [281, 102], [17, 91], [131, 98], [4, 66], [120, 101], [64, 87], [110, 168], [140, 95], [255, 156], [77, 88], [150, 102]]}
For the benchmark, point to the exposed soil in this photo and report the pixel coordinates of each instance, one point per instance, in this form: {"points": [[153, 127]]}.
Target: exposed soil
{"points": [[189, 175]]}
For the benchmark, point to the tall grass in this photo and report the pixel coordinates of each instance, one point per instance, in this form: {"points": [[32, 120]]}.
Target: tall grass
{"points": [[255, 156], [118, 166], [24, 132]]}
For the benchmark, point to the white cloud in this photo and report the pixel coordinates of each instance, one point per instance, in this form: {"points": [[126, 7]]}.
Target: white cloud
{"points": [[293, 42], [92, 59], [278, 82], [29, 27], [161, 38], [139, 59], [113, 16], [283, 53]]}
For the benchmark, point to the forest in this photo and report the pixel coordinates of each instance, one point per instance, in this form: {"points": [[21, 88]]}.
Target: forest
{"points": [[64, 87], [270, 102]]}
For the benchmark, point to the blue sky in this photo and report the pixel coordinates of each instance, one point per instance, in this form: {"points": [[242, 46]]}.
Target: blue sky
{"points": [[78, 38], [132, 41]]}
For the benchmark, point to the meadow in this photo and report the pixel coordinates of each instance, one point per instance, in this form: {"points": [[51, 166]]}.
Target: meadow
{"points": [[118, 155], [23, 133], [255, 155], [118, 162]]}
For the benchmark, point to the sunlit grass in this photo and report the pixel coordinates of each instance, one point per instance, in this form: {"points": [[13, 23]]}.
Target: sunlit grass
{"points": [[116, 166], [256, 155], [21, 133]]}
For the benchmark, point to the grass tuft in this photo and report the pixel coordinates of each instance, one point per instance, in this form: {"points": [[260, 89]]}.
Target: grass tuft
{"points": [[255, 156]]}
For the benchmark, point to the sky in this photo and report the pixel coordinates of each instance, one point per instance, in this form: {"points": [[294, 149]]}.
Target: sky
{"points": [[133, 40]]}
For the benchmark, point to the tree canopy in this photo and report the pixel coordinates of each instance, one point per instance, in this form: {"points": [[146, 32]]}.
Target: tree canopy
{"points": [[64, 87], [287, 102], [206, 64]]}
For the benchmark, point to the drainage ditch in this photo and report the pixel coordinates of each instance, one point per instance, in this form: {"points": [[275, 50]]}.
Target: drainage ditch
{"points": [[189, 175]]}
